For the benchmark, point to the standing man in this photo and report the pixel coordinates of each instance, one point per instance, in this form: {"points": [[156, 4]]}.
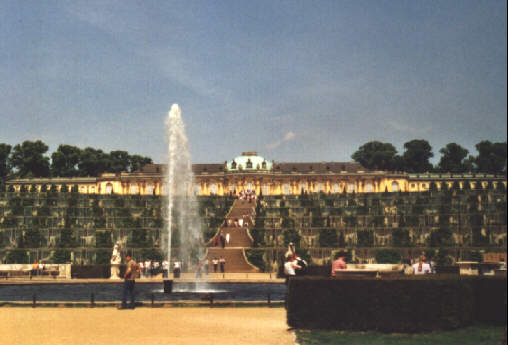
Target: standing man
{"points": [[222, 264], [165, 268], [128, 285], [215, 263]]}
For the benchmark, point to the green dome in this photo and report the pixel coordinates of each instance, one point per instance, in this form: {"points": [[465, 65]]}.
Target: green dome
{"points": [[249, 161]]}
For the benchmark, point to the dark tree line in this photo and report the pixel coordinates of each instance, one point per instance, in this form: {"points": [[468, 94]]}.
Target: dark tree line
{"points": [[30, 159], [375, 155]]}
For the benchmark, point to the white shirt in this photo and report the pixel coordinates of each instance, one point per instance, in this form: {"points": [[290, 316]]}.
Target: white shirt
{"points": [[425, 268], [289, 268], [165, 265]]}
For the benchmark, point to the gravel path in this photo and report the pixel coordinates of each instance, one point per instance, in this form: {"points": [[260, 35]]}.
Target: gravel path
{"points": [[144, 326]]}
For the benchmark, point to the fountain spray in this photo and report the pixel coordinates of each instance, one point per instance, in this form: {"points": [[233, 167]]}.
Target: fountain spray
{"points": [[182, 206]]}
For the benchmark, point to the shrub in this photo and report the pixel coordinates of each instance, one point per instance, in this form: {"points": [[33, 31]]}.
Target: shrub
{"points": [[258, 234], [400, 238], [365, 238], [16, 256], [291, 235], [61, 256], [328, 238], [388, 256], [405, 304], [256, 257]]}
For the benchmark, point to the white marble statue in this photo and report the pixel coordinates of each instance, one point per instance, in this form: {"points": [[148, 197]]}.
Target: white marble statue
{"points": [[115, 262]]}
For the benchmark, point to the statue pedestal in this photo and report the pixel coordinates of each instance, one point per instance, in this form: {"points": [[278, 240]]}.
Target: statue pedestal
{"points": [[115, 271]]}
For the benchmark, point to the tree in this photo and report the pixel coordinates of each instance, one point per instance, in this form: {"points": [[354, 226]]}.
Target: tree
{"points": [[119, 161], [417, 155], [5, 150], [65, 160], [376, 155], [453, 159], [93, 162], [136, 162], [491, 157], [28, 159]]}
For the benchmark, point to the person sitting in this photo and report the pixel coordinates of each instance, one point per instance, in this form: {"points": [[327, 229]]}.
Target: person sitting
{"points": [[35, 268], [339, 263], [421, 267]]}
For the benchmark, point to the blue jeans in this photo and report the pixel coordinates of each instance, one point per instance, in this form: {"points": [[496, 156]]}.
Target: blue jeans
{"points": [[128, 289]]}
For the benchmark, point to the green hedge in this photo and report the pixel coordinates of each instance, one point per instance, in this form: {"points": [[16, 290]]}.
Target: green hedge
{"points": [[256, 257], [405, 304], [92, 271]]}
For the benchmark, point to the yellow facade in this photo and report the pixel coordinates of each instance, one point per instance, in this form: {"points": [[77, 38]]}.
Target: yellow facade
{"points": [[252, 172]]}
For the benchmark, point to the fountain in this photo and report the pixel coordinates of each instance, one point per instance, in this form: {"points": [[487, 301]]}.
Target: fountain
{"points": [[182, 212]]}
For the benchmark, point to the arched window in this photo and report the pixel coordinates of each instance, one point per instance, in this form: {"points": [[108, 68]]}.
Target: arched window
{"points": [[351, 187], [395, 186], [303, 186], [149, 189], [319, 187], [109, 188], [285, 188], [265, 189], [213, 188], [232, 187], [233, 165], [263, 165], [335, 188], [134, 188], [248, 164], [249, 186], [369, 188]]}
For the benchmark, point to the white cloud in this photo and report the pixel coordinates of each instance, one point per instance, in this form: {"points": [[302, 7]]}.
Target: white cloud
{"points": [[287, 137]]}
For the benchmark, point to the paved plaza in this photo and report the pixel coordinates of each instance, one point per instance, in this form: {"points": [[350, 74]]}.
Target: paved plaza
{"points": [[144, 326]]}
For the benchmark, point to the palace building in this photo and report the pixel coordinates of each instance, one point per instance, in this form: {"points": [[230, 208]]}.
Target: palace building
{"points": [[250, 171]]}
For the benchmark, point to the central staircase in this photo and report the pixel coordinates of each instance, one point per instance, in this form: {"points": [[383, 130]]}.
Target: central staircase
{"points": [[242, 211]]}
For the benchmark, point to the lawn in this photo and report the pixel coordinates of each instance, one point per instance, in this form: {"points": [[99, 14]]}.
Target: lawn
{"points": [[475, 335]]}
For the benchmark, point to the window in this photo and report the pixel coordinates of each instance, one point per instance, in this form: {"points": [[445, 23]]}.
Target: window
{"points": [[335, 187], [395, 186], [213, 188], [109, 188], [303, 186], [149, 189], [285, 188], [351, 187], [232, 187], [413, 185], [134, 188], [369, 188], [263, 165], [249, 186], [248, 164], [265, 189], [233, 165], [319, 187]]}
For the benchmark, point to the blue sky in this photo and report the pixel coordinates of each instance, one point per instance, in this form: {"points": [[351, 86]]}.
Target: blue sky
{"points": [[293, 80]]}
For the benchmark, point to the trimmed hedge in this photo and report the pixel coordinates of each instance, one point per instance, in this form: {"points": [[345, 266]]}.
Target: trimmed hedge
{"points": [[403, 304], [92, 271]]}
